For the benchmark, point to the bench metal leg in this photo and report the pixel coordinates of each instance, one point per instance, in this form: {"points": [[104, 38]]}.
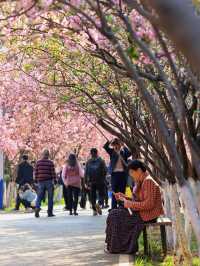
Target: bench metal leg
{"points": [[145, 240], [163, 239]]}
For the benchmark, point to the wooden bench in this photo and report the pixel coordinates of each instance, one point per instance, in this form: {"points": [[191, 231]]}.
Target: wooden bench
{"points": [[162, 222]]}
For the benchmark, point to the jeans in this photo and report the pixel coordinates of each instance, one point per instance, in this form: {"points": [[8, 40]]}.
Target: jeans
{"points": [[118, 183], [73, 194], [42, 187], [94, 189]]}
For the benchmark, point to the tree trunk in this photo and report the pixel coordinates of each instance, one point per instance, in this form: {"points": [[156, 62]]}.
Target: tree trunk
{"points": [[4, 195], [187, 223], [10, 195], [171, 234], [191, 208], [188, 229], [178, 19], [58, 194], [195, 185], [182, 241]]}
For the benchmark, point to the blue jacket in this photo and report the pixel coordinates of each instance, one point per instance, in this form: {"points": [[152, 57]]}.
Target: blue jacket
{"points": [[125, 154]]}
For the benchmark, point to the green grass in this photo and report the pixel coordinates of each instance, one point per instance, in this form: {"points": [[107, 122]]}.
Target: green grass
{"points": [[142, 261], [12, 206], [156, 258], [196, 262], [168, 261]]}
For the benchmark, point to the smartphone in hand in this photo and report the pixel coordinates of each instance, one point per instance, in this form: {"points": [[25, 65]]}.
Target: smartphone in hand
{"points": [[119, 196]]}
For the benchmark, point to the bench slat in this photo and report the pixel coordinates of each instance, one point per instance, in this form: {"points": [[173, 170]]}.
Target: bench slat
{"points": [[161, 221]]}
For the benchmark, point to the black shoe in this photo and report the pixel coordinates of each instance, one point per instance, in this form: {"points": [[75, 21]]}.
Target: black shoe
{"points": [[70, 213], [75, 214], [51, 215], [37, 213]]}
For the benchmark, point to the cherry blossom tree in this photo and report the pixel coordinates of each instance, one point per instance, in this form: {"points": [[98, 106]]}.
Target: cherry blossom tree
{"points": [[34, 119], [89, 49]]}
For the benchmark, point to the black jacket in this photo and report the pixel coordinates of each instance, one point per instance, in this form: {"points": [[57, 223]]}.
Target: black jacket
{"points": [[114, 156], [24, 174], [95, 171]]}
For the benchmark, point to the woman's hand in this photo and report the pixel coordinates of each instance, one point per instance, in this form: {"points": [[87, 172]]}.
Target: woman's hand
{"points": [[119, 195], [128, 204]]}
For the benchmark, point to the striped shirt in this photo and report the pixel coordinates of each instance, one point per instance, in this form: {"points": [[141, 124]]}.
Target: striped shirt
{"points": [[45, 170], [150, 201]]}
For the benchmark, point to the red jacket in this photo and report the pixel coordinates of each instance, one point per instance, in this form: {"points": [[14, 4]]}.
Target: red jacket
{"points": [[150, 201]]}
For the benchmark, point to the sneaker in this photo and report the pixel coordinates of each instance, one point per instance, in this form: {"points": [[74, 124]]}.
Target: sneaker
{"points": [[94, 213], [98, 209], [37, 213], [51, 215]]}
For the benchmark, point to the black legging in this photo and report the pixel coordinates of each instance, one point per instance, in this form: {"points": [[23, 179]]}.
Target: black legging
{"points": [[65, 196], [73, 193]]}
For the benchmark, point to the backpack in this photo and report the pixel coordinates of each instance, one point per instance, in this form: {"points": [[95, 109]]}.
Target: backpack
{"points": [[96, 171]]}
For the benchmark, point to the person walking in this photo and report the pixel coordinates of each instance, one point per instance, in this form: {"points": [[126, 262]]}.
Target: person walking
{"points": [[95, 175], [45, 176], [71, 175], [119, 155], [24, 176]]}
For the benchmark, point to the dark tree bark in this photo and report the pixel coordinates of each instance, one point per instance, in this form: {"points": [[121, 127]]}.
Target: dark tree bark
{"points": [[178, 19]]}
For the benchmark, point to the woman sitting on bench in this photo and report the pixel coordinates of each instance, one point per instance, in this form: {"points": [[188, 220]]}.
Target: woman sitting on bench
{"points": [[125, 224]]}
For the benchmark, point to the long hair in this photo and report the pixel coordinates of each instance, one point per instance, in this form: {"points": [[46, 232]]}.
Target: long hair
{"points": [[72, 161]]}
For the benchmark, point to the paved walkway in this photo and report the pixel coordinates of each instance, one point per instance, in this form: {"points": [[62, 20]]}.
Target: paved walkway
{"points": [[62, 240]]}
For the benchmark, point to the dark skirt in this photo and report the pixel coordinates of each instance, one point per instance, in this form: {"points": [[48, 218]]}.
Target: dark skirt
{"points": [[123, 231]]}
